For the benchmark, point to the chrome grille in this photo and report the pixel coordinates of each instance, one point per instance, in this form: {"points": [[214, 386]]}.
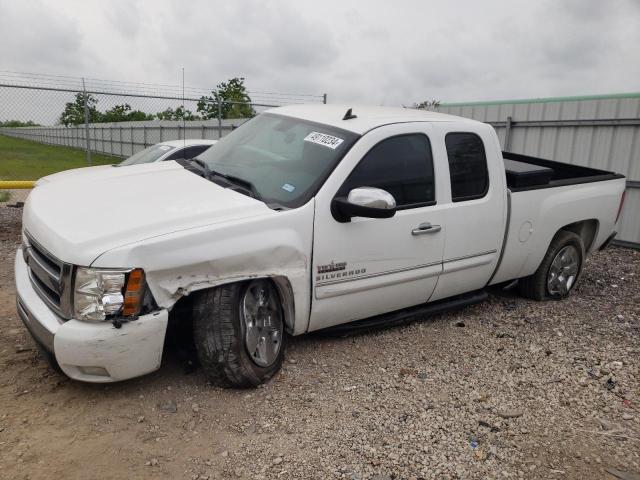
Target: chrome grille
{"points": [[50, 277]]}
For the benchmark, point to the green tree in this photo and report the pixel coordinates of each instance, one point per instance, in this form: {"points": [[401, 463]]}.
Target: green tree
{"points": [[124, 113], [179, 113], [18, 123], [73, 113], [427, 105], [234, 99]]}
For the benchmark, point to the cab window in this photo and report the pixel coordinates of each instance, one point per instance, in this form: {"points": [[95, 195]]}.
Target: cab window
{"points": [[467, 166], [401, 165]]}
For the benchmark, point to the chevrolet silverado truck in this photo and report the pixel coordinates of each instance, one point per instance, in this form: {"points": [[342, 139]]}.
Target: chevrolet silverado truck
{"points": [[304, 218]]}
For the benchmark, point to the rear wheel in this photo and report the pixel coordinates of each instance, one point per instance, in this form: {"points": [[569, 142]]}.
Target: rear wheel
{"points": [[239, 333], [559, 271]]}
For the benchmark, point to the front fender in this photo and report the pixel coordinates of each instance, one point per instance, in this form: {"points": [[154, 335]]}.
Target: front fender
{"points": [[277, 246]]}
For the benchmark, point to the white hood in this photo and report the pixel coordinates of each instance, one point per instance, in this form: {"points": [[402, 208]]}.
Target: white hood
{"points": [[84, 172], [79, 217]]}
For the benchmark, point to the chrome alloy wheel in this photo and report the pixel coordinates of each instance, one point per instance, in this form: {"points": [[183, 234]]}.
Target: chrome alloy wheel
{"points": [[563, 271], [263, 322]]}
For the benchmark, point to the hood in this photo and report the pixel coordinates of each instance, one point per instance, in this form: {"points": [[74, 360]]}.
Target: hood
{"points": [[79, 217], [85, 172]]}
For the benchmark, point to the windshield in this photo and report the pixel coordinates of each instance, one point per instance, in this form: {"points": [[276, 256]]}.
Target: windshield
{"points": [[148, 155], [284, 159]]}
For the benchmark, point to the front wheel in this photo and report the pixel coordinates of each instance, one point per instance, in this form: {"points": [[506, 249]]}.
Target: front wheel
{"points": [[559, 271], [239, 334]]}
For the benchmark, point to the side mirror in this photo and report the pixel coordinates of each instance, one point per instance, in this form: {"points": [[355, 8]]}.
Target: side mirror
{"points": [[365, 202]]}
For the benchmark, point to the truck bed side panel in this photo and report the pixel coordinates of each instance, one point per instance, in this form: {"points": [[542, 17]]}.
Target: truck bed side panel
{"points": [[537, 215]]}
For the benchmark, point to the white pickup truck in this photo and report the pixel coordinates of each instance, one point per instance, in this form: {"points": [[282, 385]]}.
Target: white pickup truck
{"points": [[304, 218]]}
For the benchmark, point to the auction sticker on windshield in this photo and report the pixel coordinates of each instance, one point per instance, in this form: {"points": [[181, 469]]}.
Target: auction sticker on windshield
{"points": [[324, 140]]}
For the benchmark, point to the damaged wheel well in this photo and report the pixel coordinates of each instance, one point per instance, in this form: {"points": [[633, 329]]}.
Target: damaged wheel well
{"points": [[181, 316]]}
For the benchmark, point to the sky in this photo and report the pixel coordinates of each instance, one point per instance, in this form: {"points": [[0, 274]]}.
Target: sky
{"points": [[380, 53]]}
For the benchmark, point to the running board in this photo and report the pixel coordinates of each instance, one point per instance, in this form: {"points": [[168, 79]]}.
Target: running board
{"points": [[400, 317]]}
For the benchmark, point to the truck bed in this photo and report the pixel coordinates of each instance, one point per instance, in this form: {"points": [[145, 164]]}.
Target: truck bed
{"points": [[530, 173]]}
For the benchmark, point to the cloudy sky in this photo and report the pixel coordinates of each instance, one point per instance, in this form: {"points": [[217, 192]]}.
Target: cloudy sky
{"points": [[395, 52]]}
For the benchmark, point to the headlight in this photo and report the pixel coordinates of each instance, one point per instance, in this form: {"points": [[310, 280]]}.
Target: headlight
{"points": [[103, 293]]}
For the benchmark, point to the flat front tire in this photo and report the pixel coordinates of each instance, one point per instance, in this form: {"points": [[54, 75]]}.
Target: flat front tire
{"points": [[559, 271], [239, 333]]}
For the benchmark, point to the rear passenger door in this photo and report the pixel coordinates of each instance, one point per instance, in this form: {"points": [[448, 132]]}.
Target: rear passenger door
{"points": [[371, 266], [476, 210]]}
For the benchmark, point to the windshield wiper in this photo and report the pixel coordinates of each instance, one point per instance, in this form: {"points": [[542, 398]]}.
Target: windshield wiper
{"points": [[245, 185], [201, 163]]}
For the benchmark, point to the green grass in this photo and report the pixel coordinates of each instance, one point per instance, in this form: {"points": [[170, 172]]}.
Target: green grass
{"points": [[26, 160]]}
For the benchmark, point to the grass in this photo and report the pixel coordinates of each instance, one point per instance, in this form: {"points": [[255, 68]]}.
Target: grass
{"points": [[26, 160]]}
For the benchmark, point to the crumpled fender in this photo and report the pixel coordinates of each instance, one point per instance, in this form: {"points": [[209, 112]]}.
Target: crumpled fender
{"points": [[277, 245]]}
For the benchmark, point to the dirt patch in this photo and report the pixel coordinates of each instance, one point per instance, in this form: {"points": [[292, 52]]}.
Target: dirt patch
{"points": [[522, 390]]}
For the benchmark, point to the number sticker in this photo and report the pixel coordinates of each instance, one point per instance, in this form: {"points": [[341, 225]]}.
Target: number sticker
{"points": [[324, 140]]}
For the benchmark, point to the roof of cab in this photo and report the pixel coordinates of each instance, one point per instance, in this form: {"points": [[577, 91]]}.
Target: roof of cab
{"points": [[366, 119]]}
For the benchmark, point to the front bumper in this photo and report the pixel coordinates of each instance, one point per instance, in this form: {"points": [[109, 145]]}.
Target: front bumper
{"points": [[91, 352]]}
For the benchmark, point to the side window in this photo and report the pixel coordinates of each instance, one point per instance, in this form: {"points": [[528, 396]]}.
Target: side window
{"points": [[467, 166], [402, 165], [179, 153], [193, 152]]}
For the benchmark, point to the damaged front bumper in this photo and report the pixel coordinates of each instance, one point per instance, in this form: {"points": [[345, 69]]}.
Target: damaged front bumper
{"points": [[91, 352]]}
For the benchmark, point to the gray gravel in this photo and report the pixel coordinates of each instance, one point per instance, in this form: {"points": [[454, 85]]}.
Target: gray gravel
{"points": [[522, 390]]}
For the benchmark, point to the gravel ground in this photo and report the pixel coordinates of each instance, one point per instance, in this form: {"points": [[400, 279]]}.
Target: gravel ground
{"points": [[505, 389]]}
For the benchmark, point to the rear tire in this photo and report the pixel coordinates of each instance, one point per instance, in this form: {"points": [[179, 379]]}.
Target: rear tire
{"points": [[559, 271], [231, 320]]}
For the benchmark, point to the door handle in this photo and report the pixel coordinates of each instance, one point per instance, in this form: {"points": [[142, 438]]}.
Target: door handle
{"points": [[426, 227]]}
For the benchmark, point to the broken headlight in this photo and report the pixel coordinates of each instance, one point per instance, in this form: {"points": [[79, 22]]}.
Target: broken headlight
{"points": [[100, 294]]}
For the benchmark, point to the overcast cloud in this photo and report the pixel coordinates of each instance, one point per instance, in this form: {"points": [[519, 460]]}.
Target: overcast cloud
{"points": [[388, 53]]}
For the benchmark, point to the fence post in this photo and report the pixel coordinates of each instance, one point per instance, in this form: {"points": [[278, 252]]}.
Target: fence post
{"points": [[324, 98], [219, 119], [86, 123], [507, 134], [144, 136], [161, 134], [132, 147]]}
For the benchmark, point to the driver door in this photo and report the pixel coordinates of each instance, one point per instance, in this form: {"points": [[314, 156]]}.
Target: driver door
{"points": [[369, 266]]}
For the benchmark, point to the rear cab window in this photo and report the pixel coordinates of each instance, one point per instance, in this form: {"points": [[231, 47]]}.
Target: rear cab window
{"points": [[467, 166]]}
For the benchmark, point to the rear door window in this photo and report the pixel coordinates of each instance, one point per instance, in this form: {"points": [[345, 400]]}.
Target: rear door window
{"points": [[467, 166]]}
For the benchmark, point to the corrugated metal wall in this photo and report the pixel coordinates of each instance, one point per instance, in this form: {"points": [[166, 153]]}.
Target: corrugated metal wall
{"points": [[598, 131]]}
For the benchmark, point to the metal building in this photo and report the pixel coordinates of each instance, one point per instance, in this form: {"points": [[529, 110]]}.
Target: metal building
{"points": [[599, 131]]}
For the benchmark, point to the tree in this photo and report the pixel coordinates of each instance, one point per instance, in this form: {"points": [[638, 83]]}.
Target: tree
{"points": [[427, 105], [123, 113], [179, 113], [73, 113], [234, 100], [18, 123]]}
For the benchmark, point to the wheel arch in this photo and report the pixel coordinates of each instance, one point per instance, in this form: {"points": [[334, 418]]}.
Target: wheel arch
{"points": [[587, 230], [283, 286]]}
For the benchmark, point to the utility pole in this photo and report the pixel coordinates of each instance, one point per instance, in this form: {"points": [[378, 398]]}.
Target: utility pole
{"points": [[86, 122]]}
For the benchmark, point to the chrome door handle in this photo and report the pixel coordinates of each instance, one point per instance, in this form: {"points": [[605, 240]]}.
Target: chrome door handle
{"points": [[426, 228]]}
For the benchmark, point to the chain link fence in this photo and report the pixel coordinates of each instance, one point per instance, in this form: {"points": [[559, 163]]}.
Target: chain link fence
{"points": [[47, 120]]}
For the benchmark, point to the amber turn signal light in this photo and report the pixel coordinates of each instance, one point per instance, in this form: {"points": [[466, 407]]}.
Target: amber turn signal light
{"points": [[133, 293]]}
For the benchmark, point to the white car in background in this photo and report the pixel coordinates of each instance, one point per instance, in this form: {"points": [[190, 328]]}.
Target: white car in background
{"points": [[171, 150]]}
